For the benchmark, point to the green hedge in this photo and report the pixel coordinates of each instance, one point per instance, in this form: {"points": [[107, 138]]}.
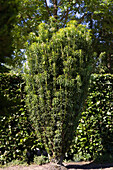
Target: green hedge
{"points": [[94, 135], [16, 132]]}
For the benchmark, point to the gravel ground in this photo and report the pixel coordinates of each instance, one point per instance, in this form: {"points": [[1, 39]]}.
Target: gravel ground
{"points": [[71, 166]]}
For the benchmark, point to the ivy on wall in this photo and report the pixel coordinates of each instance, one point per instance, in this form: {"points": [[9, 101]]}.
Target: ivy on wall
{"points": [[94, 136], [16, 132]]}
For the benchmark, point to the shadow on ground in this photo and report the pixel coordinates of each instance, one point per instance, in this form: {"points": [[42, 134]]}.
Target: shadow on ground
{"points": [[91, 165]]}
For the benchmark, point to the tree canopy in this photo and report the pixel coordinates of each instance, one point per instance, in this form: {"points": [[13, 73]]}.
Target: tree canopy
{"points": [[8, 12], [20, 17], [97, 15], [101, 23]]}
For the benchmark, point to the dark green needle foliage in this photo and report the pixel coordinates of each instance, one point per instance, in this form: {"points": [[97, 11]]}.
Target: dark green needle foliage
{"points": [[58, 69]]}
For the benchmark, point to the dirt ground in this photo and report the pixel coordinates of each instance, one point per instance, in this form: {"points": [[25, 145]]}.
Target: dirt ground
{"points": [[70, 166]]}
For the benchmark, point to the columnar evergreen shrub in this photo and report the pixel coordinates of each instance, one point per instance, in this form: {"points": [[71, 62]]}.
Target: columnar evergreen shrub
{"points": [[94, 135], [59, 64]]}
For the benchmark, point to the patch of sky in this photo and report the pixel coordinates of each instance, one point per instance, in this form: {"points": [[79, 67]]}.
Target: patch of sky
{"points": [[48, 3]]}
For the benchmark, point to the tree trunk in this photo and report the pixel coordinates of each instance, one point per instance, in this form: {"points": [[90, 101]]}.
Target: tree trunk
{"points": [[55, 8], [57, 160], [60, 160]]}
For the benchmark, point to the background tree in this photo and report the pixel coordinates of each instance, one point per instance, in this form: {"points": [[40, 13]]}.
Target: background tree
{"points": [[8, 12], [100, 22], [59, 67], [96, 14], [19, 18]]}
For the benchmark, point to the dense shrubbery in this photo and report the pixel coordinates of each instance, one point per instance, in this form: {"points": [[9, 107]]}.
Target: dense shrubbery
{"points": [[16, 133], [94, 136], [94, 133]]}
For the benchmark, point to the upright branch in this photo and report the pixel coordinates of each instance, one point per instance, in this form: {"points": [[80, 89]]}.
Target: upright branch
{"points": [[55, 9]]}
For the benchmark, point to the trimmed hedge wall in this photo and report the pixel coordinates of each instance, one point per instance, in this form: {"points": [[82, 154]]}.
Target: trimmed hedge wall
{"points": [[94, 135], [16, 132]]}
